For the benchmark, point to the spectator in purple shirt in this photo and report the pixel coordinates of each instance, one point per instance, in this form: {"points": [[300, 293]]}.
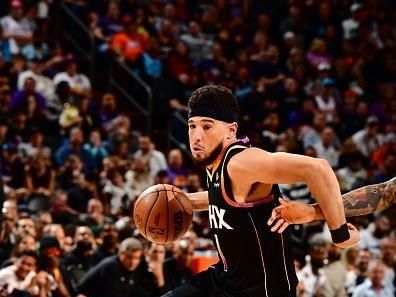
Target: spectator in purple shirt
{"points": [[20, 99]]}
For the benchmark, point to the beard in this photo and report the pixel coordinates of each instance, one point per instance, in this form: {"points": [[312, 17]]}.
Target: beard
{"points": [[211, 157]]}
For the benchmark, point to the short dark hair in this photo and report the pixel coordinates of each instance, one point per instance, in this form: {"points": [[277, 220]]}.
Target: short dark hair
{"points": [[214, 96], [29, 253]]}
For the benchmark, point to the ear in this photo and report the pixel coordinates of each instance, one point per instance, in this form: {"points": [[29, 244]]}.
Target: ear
{"points": [[232, 129]]}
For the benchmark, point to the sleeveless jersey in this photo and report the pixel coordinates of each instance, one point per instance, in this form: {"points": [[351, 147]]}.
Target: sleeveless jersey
{"points": [[255, 262]]}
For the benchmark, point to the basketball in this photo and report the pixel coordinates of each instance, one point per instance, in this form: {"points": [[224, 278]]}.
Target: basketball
{"points": [[162, 213]]}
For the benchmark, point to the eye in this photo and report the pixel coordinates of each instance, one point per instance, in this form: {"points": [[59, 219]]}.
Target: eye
{"points": [[206, 127], [191, 126]]}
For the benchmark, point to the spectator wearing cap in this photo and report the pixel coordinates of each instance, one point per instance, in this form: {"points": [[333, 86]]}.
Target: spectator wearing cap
{"points": [[351, 26], [44, 85], [326, 101], [78, 82], [369, 139], [312, 275], [17, 27], [50, 263], [374, 285], [124, 274]]}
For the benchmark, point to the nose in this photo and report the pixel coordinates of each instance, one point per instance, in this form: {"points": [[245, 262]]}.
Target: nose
{"points": [[197, 135]]}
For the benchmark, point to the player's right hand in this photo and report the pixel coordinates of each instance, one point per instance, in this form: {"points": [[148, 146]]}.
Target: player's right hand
{"points": [[290, 212], [353, 239]]}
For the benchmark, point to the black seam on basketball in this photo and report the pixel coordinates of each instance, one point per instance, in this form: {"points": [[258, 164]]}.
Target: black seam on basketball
{"points": [[184, 211], [148, 216], [167, 216], [141, 198]]}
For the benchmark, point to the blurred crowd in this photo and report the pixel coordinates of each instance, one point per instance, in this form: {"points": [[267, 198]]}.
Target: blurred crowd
{"points": [[314, 77]]}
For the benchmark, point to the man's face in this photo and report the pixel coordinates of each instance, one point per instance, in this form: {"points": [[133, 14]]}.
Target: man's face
{"points": [[185, 254], [206, 137], [25, 265], [130, 259], [26, 226], [144, 144]]}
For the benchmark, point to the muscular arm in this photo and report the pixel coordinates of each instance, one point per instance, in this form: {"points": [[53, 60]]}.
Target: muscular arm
{"points": [[358, 202], [255, 165], [199, 200], [365, 200]]}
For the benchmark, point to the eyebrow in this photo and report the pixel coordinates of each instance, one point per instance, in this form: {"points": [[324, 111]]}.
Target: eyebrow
{"points": [[203, 120]]}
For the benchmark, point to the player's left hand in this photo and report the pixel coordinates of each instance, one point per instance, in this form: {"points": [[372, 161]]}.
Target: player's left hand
{"points": [[290, 212]]}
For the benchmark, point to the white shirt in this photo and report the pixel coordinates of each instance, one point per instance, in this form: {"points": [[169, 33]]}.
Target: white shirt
{"points": [[328, 153], [9, 278], [310, 281], [23, 28], [117, 194], [350, 27], [366, 290], [77, 81], [366, 144], [348, 177], [327, 107], [157, 161], [44, 85]]}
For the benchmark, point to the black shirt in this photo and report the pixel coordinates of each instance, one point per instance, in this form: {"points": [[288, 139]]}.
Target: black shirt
{"points": [[110, 279], [253, 259]]}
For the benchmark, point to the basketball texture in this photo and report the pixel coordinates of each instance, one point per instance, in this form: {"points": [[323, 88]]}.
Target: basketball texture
{"points": [[162, 213]]}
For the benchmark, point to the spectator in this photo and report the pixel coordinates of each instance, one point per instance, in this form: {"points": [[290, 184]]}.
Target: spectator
{"points": [[78, 82], [362, 265], [369, 139], [156, 158], [198, 44], [138, 178], [129, 43], [74, 146], [21, 276], [371, 237], [312, 275], [176, 171], [23, 100], [78, 262], [109, 245], [18, 28], [352, 173], [326, 149], [44, 85], [5, 47], [177, 268], [122, 275], [117, 193], [96, 148], [374, 286]]}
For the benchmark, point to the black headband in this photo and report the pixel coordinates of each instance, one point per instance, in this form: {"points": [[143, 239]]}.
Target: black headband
{"points": [[221, 114]]}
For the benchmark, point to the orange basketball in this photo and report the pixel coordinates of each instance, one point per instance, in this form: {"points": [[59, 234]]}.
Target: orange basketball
{"points": [[162, 213]]}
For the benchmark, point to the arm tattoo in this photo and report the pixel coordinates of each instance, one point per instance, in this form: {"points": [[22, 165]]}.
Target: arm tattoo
{"points": [[370, 198]]}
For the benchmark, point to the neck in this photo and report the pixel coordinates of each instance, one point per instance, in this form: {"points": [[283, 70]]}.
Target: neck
{"points": [[226, 144]]}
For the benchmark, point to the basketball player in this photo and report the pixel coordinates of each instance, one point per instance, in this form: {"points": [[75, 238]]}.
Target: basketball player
{"points": [[242, 193]]}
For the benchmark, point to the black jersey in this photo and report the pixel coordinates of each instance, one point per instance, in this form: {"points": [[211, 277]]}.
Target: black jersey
{"points": [[254, 261]]}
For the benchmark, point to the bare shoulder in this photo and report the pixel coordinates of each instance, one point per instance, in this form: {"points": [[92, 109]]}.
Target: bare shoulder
{"points": [[245, 161]]}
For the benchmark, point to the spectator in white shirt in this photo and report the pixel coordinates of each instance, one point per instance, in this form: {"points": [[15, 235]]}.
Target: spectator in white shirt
{"points": [[326, 149], [312, 275], [325, 100], [78, 82], [370, 238], [44, 85], [157, 160], [374, 287], [369, 139], [21, 275], [17, 27]]}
